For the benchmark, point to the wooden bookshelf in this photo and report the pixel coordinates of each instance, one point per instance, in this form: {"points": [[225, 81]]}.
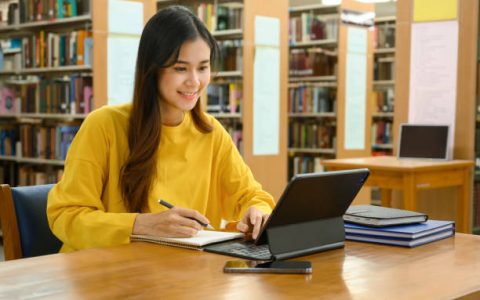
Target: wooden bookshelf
{"points": [[313, 79], [42, 116], [45, 24], [94, 21], [62, 69], [230, 33], [313, 7], [36, 161], [382, 115], [228, 74], [328, 124], [313, 115], [383, 85], [312, 84], [383, 146], [330, 151], [269, 170], [227, 115], [326, 43], [385, 51], [476, 181], [383, 82]]}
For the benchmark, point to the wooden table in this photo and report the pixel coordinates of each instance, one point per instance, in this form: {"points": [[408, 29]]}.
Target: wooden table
{"points": [[445, 269], [390, 173]]}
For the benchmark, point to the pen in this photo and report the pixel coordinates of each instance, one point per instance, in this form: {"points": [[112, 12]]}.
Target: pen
{"points": [[169, 206]]}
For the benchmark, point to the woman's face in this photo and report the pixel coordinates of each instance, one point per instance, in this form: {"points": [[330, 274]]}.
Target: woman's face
{"points": [[181, 84]]}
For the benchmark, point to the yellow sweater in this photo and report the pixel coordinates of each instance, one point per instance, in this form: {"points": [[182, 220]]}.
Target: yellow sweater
{"points": [[201, 171]]}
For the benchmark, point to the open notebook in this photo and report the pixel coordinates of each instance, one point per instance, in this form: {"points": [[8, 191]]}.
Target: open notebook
{"points": [[203, 238]]}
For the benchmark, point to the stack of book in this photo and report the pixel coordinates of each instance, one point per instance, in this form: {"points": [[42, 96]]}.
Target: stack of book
{"points": [[367, 223]]}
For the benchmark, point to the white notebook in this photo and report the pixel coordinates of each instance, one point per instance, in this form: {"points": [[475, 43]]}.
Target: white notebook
{"points": [[203, 238]]}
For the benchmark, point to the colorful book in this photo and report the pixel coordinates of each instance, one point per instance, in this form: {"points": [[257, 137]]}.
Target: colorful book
{"points": [[88, 50], [372, 215], [7, 101], [411, 235]]}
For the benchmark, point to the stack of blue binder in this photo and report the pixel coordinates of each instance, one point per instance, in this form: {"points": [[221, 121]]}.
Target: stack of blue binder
{"points": [[401, 234]]}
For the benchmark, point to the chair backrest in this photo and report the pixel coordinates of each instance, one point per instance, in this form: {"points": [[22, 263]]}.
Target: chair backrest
{"points": [[24, 222]]}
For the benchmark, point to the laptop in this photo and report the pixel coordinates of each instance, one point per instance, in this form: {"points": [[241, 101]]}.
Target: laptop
{"points": [[420, 141], [308, 218]]}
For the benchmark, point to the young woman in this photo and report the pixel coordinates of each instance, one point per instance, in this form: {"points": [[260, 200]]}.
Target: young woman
{"points": [[125, 158]]}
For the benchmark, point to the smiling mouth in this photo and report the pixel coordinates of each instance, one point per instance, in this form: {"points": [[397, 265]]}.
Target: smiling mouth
{"points": [[188, 94]]}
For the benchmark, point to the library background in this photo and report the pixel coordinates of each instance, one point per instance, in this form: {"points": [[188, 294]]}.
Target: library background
{"points": [[348, 73]]}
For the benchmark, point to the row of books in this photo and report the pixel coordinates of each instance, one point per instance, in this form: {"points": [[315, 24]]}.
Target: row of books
{"points": [[49, 49], [223, 16], [235, 130], [71, 94], [304, 164], [311, 135], [24, 11], [383, 100], [48, 142], [224, 98], [309, 27], [231, 55], [24, 175], [382, 132], [390, 226], [383, 70], [312, 62], [311, 99], [381, 152], [384, 35], [29, 175]]}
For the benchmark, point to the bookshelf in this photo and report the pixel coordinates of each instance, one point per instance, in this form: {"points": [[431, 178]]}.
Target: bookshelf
{"points": [[439, 205], [229, 96], [317, 84], [51, 77], [476, 182], [44, 86], [383, 86]]}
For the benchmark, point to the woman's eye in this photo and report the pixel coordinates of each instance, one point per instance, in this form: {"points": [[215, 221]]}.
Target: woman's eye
{"points": [[204, 68]]}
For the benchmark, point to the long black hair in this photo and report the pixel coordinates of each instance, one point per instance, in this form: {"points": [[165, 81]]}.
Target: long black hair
{"points": [[160, 44]]}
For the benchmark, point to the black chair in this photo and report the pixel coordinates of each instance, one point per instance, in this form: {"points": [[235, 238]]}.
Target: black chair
{"points": [[24, 222]]}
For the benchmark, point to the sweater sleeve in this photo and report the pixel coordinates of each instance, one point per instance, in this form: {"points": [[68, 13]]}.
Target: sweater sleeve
{"points": [[76, 213], [239, 189]]}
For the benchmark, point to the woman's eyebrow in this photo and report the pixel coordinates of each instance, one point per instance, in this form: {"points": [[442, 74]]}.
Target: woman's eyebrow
{"points": [[206, 61]]}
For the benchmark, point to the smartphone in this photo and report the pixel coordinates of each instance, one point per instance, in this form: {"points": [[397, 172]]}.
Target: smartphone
{"points": [[251, 266]]}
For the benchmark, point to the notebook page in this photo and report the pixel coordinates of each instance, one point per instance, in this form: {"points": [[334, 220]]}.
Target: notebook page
{"points": [[204, 237]]}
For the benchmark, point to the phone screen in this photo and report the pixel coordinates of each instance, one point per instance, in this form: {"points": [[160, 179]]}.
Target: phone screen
{"points": [[251, 266]]}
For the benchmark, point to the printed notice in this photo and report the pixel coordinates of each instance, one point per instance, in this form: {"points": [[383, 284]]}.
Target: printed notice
{"points": [[125, 17], [266, 86], [356, 89], [122, 53], [433, 74], [125, 25]]}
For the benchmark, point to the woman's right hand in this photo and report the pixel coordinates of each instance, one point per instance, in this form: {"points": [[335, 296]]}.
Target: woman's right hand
{"points": [[175, 222]]}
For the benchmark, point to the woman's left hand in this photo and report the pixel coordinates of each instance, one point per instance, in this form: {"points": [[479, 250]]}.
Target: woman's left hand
{"points": [[252, 221]]}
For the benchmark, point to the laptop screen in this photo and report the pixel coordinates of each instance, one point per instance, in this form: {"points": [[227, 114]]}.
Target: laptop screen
{"points": [[423, 141], [315, 196]]}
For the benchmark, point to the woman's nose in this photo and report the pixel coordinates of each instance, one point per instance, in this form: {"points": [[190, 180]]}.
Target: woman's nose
{"points": [[193, 79]]}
